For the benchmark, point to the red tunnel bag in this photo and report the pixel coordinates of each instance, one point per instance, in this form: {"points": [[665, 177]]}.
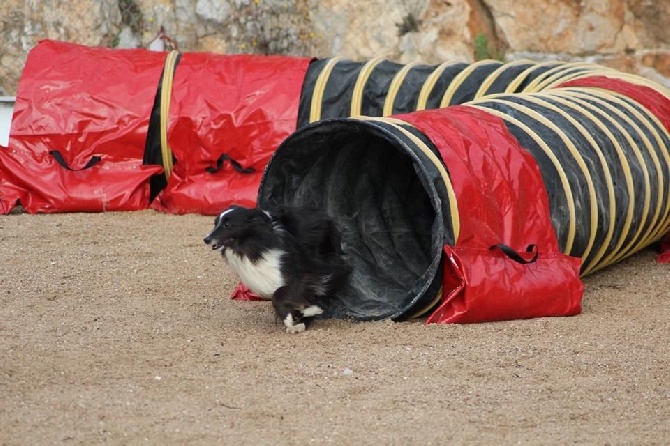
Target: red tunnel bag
{"points": [[10, 193], [79, 128], [507, 215], [227, 116]]}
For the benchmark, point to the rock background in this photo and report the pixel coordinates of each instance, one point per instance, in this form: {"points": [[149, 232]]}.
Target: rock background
{"points": [[631, 35]]}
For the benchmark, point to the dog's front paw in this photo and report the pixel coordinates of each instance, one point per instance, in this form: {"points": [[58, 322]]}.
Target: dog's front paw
{"points": [[297, 328], [291, 326]]}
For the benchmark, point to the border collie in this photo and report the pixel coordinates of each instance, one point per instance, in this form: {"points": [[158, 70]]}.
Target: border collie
{"points": [[289, 255]]}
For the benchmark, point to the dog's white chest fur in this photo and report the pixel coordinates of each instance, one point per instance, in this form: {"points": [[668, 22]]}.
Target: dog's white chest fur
{"points": [[262, 277]]}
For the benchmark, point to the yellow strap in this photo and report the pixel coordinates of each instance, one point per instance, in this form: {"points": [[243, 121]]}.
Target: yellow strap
{"points": [[422, 311], [491, 78], [557, 72], [166, 94], [631, 78], [576, 95], [429, 84], [460, 78], [639, 80], [516, 83], [398, 79], [665, 227], [542, 100], [319, 88], [573, 71], [654, 228], [567, 190], [570, 76], [647, 237], [438, 163], [575, 154], [359, 87]]}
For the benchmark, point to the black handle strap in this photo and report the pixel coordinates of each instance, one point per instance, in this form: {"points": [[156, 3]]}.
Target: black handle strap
{"points": [[237, 166], [59, 158], [512, 254]]}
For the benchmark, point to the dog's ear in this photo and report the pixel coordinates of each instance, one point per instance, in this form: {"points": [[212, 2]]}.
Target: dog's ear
{"points": [[258, 217]]}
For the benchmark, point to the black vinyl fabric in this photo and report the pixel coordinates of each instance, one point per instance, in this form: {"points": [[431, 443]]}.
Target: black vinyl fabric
{"points": [[505, 75], [337, 88], [604, 162], [389, 202], [339, 85], [467, 88]]}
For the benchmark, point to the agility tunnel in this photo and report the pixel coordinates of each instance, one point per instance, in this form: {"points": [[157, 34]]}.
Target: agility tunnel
{"points": [[99, 129], [485, 211]]}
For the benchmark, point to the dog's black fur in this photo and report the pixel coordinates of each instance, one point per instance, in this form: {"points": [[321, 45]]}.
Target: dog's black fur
{"points": [[312, 263]]}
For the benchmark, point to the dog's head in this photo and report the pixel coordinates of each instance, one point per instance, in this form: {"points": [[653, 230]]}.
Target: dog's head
{"points": [[236, 224]]}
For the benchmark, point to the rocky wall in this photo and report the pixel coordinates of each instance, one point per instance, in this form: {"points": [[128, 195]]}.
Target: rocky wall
{"points": [[631, 35]]}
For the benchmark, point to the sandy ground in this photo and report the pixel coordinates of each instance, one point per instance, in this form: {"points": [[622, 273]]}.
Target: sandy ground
{"points": [[118, 328]]}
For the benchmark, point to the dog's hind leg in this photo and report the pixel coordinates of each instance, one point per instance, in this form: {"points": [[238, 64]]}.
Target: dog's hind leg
{"points": [[288, 302], [311, 311]]}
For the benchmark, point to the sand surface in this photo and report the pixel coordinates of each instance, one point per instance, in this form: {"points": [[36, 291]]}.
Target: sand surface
{"points": [[118, 329]]}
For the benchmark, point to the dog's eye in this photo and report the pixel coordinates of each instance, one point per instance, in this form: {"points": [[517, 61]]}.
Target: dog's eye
{"points": [[226, 223]]}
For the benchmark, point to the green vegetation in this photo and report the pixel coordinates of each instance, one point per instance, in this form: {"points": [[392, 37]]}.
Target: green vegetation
{"points": [[483, 51]]}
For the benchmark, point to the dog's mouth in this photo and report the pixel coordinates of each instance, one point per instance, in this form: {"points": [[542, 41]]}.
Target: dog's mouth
{"points": [[221, 244]]}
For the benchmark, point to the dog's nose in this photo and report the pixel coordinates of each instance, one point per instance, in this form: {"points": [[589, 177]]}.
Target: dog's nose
{"points": [[207, 240]]}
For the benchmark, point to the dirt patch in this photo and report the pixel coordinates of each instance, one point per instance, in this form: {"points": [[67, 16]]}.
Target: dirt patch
{"points": [[119, 328]]}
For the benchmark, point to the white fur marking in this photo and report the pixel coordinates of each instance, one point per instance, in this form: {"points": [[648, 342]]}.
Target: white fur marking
{"points": [[263, 277], [290, 327], [312, 310], [227, 211], [299, 328]]}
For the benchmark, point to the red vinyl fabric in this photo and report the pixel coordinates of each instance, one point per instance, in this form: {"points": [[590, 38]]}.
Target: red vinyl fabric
{"points": [[238, 106], [70, 100], [243, 293], [649, 98], [664, 255], [502, 200], [10, 193], [92, 106]]}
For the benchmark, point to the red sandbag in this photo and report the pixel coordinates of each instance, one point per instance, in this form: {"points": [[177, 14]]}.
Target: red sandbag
{"points": [[231, 109], [243, 293], [10, 193], [507, 204], [664, 250], [79, 128], [486, 285]]}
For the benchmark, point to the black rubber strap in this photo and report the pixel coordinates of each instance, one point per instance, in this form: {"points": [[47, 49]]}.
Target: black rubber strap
{"points": [[237, 166], [512, 254], [59, 158]]}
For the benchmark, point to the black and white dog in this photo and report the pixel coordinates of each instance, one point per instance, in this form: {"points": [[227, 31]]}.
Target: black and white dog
{"points": [[289, 255]]}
